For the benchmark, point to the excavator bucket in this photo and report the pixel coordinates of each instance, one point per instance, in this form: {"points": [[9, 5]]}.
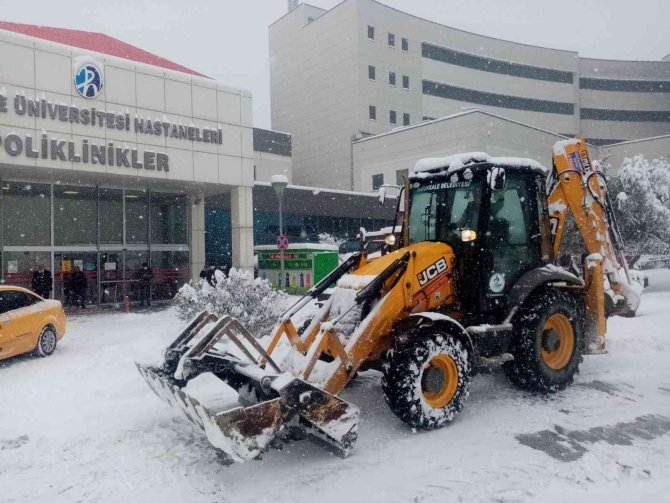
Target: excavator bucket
{"points": [[285, 406]]}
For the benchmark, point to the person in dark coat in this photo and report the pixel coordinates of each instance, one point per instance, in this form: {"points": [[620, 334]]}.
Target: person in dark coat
{"points": [[203, 273], [42, 282], [208, 274], [145, 275], [78, 284]]}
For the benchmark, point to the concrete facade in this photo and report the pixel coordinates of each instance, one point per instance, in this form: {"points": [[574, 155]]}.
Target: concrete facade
{"points": [[200, 144], [322, 64], [388, 156], [272, 155], [651, 148]]}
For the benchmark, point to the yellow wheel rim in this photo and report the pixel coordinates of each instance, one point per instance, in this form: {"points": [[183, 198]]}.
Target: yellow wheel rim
{"points": [[558, 341], [439, 381]]}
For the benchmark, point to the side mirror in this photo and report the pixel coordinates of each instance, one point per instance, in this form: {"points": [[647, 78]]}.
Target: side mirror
{"points": [[496, 178], [382, 195], [381, 191]]}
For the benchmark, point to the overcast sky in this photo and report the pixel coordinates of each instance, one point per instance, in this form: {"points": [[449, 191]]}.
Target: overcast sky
{"points": [[228, 41]]}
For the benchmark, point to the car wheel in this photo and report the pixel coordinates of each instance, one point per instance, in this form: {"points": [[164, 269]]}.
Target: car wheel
{"points": [[46, 344]]}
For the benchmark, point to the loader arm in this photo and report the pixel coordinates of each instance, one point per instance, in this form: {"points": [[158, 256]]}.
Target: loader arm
{"points": [[289, 383], [577, 186]]}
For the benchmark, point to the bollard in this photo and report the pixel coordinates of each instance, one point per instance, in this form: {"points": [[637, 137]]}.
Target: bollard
{"points": [[126, 303]]}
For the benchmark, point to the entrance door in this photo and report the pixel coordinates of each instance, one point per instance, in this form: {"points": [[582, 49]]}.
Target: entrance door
{"points": [[513, 233], [133, 263], [18, 266], [111, 277], [64, 264]]}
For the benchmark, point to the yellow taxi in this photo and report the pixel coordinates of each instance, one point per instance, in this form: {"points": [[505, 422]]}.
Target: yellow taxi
{"points": [[28, 322]]}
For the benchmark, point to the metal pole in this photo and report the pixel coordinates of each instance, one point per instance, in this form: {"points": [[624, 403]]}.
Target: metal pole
{"points": [[281, 252]]}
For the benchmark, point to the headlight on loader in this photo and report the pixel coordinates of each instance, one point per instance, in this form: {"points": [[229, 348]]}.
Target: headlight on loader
{"points": [[390, 239], [468, 235]]}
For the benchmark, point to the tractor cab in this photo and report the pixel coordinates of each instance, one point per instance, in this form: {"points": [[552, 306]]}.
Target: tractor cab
{"points": [[492, 214]]}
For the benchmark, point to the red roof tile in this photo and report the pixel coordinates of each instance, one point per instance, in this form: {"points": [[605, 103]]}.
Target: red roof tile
{"points": [[97, 42]]}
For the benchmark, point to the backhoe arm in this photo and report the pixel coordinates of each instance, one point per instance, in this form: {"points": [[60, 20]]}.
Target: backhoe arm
{"points": [[576, 186]]}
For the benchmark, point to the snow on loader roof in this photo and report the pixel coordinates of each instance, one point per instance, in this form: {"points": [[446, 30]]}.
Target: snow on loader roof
{"points": [[449, 164]]}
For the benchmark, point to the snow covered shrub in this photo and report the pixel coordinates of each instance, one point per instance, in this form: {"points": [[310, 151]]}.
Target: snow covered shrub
{"points": [[641, 198], [252, 301], [329, 239]]}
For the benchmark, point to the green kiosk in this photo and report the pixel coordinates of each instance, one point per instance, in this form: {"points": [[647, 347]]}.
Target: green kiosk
{"points": [[305, 264]]}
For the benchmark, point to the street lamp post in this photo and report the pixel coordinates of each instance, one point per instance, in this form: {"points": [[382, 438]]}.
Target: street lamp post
{"points": [[279, 183]]}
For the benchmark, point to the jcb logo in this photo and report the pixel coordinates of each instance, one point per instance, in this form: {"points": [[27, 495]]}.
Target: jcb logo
{"points": [[432, 271]]}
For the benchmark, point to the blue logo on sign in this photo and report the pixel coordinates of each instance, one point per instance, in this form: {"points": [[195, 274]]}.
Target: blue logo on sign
{"points": [[88, 80]]}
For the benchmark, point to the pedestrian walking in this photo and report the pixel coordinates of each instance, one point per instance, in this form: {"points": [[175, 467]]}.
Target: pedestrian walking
{"points": [[42, 282], [77, 286], [145, 275]]}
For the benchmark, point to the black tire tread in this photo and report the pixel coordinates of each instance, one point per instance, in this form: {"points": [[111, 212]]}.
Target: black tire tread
{"points": [[528, 371], [402, 367]]}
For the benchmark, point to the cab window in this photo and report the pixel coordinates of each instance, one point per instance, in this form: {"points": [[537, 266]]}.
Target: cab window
{"points": [[512, 220], [11, 300]]}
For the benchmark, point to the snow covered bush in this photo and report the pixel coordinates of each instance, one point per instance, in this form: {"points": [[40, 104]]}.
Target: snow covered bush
{"points": [[252, 301], [641, 199], [329, 239]]}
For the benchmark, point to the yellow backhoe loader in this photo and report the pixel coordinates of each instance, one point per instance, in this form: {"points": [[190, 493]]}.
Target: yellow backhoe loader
{"points": [[473, 275]]}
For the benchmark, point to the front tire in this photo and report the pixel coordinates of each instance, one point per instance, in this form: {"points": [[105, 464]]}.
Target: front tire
{"points": [[548, 344], [426, 378], [46, 344]]}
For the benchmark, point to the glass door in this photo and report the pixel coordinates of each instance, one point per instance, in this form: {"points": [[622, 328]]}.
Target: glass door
{"points": [[18, 266], [65, 264], [133, 263], [111, 277]]}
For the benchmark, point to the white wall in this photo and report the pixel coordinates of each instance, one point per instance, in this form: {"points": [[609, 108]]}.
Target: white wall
{"points": [[321, 91], [651, 148], [39, 69], [267, 165], [472, 131], [313, 91]]}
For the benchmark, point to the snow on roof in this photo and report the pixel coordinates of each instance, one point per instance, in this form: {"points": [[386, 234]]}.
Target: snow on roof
{"points": [[96, 42], [456, 162], [299, 246], [384, 231]]}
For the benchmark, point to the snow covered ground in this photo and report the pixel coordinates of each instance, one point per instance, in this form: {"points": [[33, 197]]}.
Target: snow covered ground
{"points": [[83, 426]]}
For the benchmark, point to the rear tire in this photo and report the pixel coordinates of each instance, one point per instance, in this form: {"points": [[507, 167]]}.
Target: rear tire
{"points": [[548, 342], [426, 378], [46, 344]]}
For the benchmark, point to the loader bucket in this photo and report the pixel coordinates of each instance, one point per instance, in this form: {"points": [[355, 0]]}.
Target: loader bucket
{"points": [[244, 433]]}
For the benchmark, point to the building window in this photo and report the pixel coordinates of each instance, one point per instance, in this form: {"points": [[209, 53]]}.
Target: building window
{"points": [[169, 218], [137, 216], [401, 176], [75, 215], [372, 74], [405, 81], [29, 204], [391, 40], [372, 112], [377, 181], [371, 32], [393, 117], [405, 119], [110, 216], [405, 44], [392, 78]]}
